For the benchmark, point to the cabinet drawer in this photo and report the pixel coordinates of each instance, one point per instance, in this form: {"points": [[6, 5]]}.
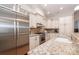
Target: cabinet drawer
{"points": [[34, 42]]}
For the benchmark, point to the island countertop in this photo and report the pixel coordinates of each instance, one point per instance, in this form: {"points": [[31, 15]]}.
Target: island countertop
{"points": [[52, 47]]}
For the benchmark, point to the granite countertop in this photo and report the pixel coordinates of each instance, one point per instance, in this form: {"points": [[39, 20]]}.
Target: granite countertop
{"points": [[52, 47], [34, 35], [76, 35]]}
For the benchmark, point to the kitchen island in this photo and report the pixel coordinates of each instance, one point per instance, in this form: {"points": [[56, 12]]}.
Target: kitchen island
{"points": [[56, 47], [75, 38]]}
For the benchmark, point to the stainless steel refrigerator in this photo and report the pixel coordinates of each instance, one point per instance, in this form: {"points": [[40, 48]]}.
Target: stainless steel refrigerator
{"points": [[14, 30]]}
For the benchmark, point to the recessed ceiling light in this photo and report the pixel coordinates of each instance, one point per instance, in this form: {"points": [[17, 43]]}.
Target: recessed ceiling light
{"points": [[76, 8], [61, 8], [45, 4], [48, 12]]}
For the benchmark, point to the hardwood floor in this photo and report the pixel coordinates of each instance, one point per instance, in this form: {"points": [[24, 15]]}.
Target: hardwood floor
{"points": [[22, 50], [16, 51]]}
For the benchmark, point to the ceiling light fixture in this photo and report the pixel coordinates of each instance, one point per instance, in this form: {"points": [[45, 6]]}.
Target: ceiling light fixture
{"points": [[76, 8], [48, 12], [45, 5], [61, 8]]}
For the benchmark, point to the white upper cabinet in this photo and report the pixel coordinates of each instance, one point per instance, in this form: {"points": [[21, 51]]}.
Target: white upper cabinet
{"points": [[49, 23], [34, 19], [10, 6], [66, 25], [52, 23], [16, 8]]}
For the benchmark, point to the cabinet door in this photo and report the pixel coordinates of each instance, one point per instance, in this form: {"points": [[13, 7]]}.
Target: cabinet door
{"points": [[10, 6], [37, 41], [32, 43], [62, 29], [66, 25]]}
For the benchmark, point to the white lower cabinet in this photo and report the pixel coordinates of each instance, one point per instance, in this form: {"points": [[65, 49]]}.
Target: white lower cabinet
{"points": [[52, 36], [34, 41]]}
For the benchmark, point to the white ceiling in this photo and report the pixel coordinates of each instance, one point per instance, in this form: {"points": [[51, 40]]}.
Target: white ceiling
{"points": [[54, 9]]}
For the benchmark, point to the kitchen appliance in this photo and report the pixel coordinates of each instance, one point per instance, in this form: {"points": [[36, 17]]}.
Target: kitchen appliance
{"points": [[41, 32], [14, 30]]}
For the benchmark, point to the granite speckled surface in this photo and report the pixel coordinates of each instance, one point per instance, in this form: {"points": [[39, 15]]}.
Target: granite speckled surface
{"points": [[52, 47]]}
